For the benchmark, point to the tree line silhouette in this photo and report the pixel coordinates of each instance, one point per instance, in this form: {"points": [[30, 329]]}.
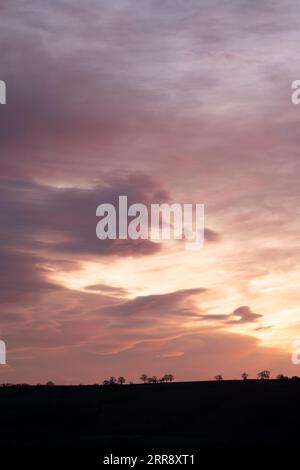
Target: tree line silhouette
{"points": [[144, 378], [262, 375], [167, 378]]}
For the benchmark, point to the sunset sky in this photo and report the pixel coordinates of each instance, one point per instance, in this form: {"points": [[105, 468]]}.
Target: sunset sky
{"points": [[163, 101]]}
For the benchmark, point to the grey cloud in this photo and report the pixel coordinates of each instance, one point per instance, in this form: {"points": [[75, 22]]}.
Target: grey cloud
{"points": [[241, 314], [159, 305], [103, 288], [244, 315], [64, 220]]}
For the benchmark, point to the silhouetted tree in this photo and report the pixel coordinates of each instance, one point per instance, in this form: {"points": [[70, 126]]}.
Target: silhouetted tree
{"points": [[245, 376], [105, 382], [152, 380], [50, 384], [264, 375], [144, 378], [121, 380], [281, 377], [167, 378], [219, 377], [112, 381]]}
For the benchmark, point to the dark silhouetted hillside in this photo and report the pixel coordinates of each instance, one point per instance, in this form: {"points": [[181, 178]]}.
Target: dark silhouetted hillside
{"points": [[192, 415]]}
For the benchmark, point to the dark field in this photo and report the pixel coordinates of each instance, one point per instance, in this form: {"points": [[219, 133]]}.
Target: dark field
{"points": [[180, 416]]}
